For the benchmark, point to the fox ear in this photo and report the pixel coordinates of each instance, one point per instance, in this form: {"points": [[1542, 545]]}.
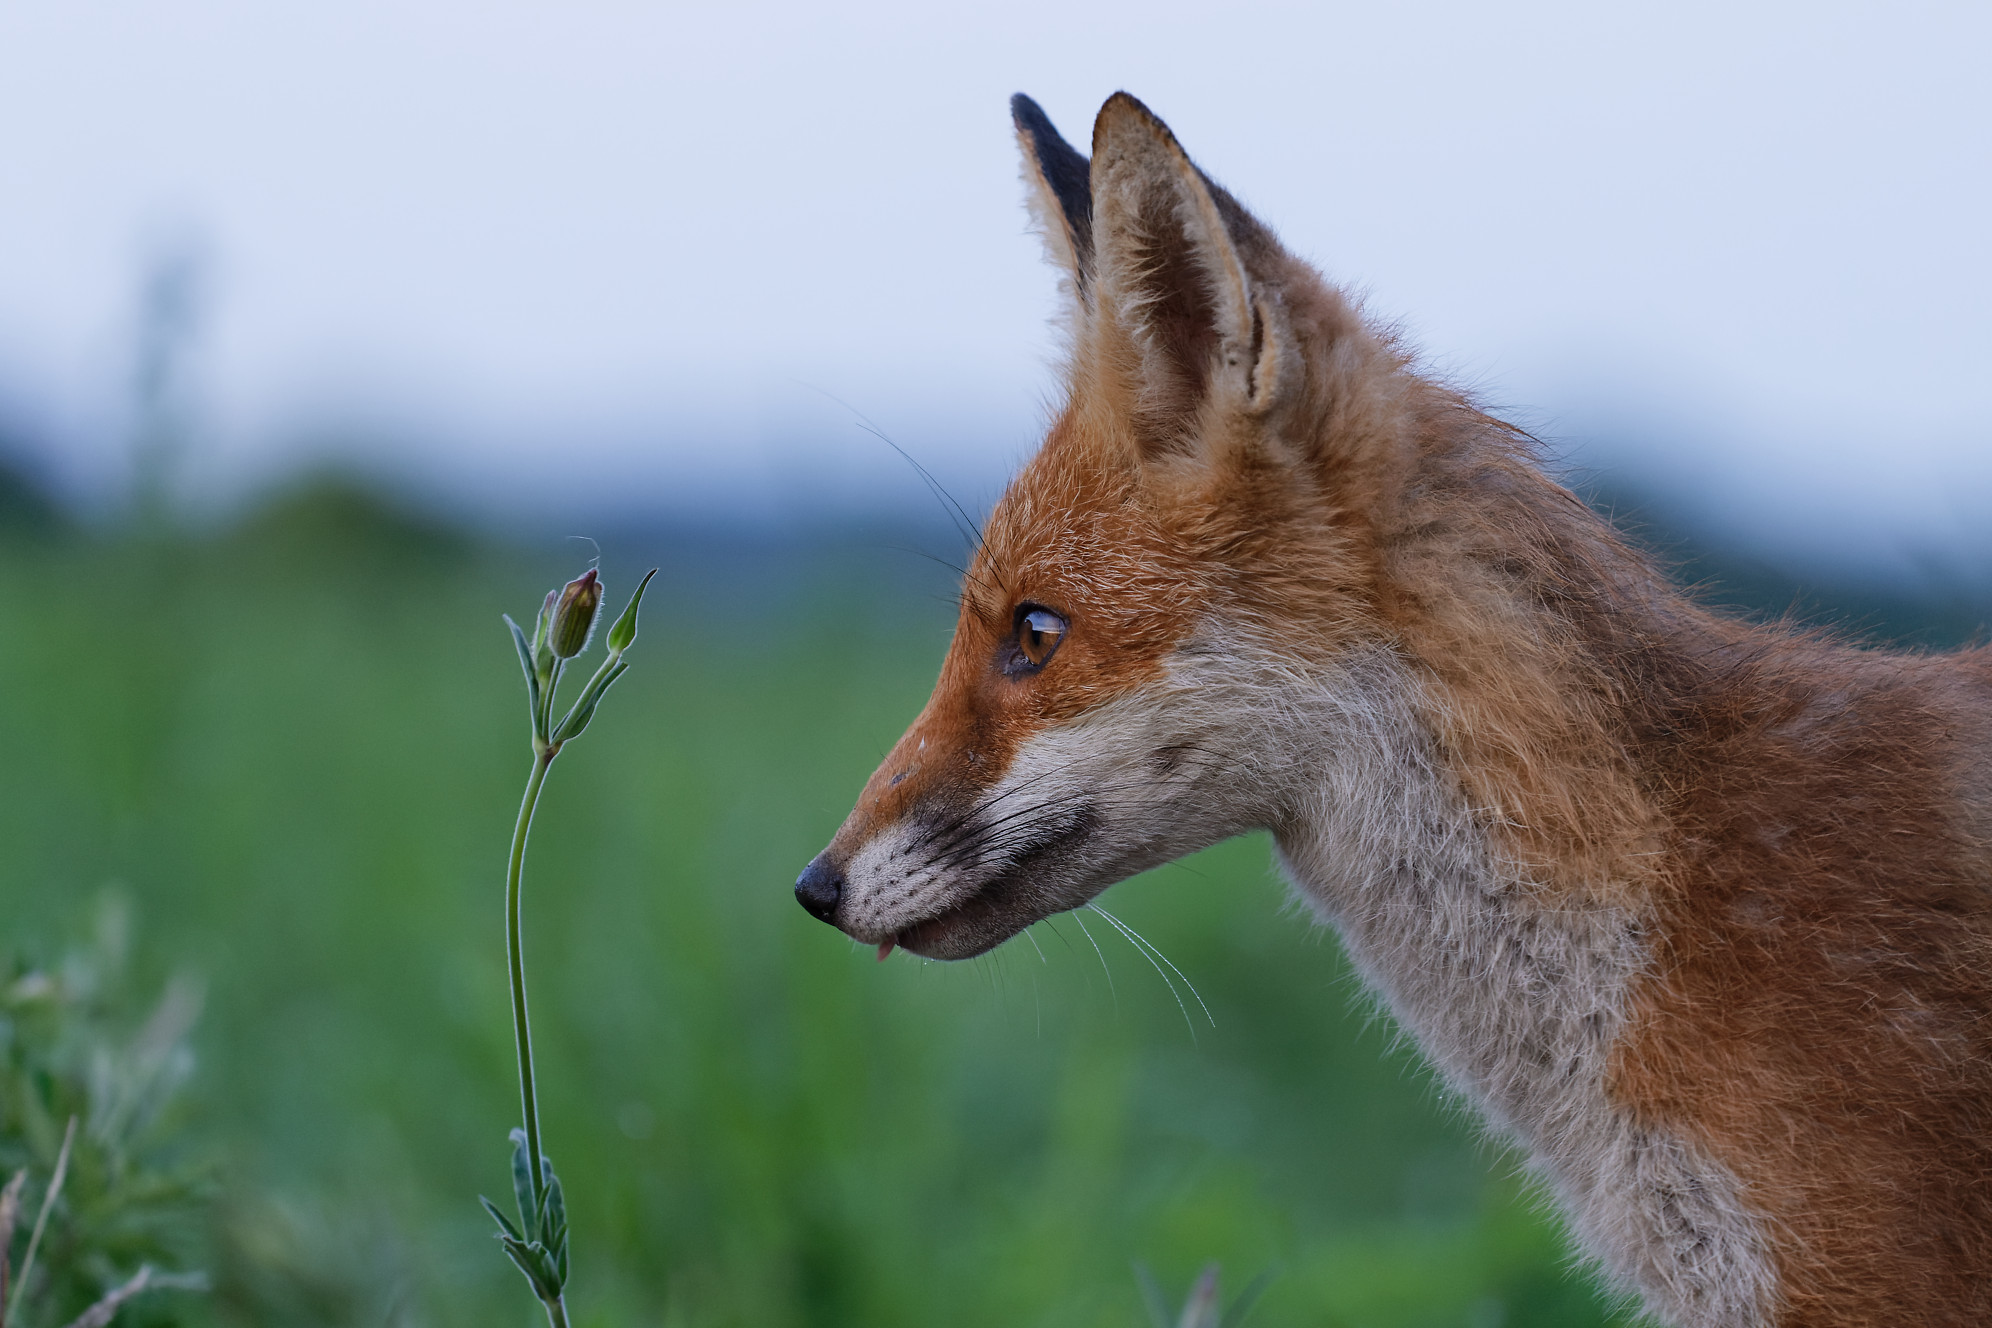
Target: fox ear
{"points": [[1057, 188], [1172, 283]]}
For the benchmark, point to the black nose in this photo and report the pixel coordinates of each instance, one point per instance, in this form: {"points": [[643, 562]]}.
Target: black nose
{"points": [[819, 888]]}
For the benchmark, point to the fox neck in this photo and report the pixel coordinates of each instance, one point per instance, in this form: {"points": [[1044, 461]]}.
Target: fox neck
{"points": [[1503, 913]]}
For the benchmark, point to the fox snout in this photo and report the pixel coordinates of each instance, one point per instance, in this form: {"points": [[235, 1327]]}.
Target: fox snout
{"points": [[820, 888], [952, 849], [953, 875]]}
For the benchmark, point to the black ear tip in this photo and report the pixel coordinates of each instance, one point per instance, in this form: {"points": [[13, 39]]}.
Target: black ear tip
{"points": [[1058, 158], [1064, 171], [1027, 115]]}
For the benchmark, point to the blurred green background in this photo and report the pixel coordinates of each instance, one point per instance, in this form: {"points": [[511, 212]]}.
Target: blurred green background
{"points": [[295, 745]]}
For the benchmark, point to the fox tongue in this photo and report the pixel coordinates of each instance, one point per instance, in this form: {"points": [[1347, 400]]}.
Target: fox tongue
{"points": [[884, 949]]}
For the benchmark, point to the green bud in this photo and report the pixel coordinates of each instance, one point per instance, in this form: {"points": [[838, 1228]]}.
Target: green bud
{"points": [[545, 617], [624, 632], [542, 655], [574, 616]]}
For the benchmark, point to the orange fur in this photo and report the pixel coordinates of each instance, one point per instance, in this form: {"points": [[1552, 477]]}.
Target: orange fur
{"points": [[1792, 833]]}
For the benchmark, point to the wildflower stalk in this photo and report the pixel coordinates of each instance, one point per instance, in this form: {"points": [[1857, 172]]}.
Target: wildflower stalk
{"points": [[515, 952], [538, 1244]]}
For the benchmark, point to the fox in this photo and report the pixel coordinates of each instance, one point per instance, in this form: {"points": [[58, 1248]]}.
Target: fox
{"points": [[1694, 910]]}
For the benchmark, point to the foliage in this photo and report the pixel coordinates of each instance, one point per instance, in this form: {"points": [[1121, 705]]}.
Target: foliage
{"points": [[1205, 1306], [88, 1117]]}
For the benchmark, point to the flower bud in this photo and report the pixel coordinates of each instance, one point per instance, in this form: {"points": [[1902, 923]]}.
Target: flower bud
{"points": [[545, 621], [574, 616], [542, 653]]}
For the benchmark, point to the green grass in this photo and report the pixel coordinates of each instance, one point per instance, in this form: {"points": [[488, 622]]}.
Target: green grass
{"points": [[299, 749]]}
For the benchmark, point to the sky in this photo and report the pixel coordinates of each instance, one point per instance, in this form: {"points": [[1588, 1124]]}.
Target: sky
{"points": [[560, 261]]}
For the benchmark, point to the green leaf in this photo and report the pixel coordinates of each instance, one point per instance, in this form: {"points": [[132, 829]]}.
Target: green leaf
{"points": [[519, 639], [522, 1186], [1152, 1298], [500, 1218], [624, 632], [532, 675], [545, 617], [554, 1229], [556, 1209], [584, 708], [532, 1261], [1201, 1309], [1234, 1317]]}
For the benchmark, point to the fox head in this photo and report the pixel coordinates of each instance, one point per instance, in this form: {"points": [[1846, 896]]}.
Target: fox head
{"points": [[1190, 543]]}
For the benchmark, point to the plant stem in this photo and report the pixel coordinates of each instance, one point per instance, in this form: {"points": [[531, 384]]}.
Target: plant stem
{"points": [[556, 1312], [12, 1308], [542, 761]]}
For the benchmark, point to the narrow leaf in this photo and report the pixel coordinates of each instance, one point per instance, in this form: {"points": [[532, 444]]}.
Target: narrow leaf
{"points": [[519, 640], [500, 1218], [624, 632], [1152, 1298], [521, 1254], [12, 1308], [532, 675], [522, 1186], [543, 656], [1200, 1310], [100, 1314], [534, 1262], [543, 1282], [584, 707], [10, 1212], [544, 619], [554, 1229], [1234, 1317]]}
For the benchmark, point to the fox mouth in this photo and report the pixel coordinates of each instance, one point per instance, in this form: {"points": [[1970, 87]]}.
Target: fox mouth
{"points": [[974, 926], [1031, 886]]}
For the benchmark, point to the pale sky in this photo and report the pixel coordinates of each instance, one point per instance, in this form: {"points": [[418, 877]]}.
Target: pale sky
{"points": [[596, 257]]}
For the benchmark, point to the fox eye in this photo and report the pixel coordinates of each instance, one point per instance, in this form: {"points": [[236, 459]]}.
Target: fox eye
{"points": [[1038, 633]]}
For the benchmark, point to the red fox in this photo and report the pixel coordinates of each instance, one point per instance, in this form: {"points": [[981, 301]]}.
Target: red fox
{"points": [[1698, 912]]}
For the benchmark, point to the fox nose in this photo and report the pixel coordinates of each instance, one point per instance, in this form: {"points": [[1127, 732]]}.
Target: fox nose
{"points": [[819, 888]]}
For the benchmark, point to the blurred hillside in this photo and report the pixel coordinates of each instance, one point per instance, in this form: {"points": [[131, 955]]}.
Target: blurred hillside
{"points": [[295, 741], [1932, 594]]}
